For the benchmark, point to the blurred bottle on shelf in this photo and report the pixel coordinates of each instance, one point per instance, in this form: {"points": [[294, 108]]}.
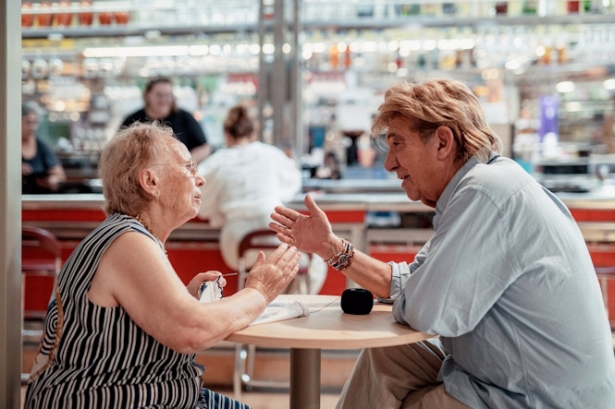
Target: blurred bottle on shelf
{"points": [[44, 18], [593, 6], [405, 10], [86, 16], [449, 9], [429, 9], [501, 8], [27, 19], [562, 53], [334, 56], [530, 7], [64, 17], [122, 17], [572, 7], [104, 18]]}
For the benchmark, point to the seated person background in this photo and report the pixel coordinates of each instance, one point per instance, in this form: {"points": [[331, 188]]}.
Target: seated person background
{"points": [[122, 329], [160, 106], [244, 183], [506, 280], [41, 171]]}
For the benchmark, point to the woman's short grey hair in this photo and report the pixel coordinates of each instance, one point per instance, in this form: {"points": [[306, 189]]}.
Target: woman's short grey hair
{"points": [[130, 151]]}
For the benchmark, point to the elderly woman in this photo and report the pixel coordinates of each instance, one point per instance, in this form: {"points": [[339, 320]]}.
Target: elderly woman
{"points": [[122, 329]]}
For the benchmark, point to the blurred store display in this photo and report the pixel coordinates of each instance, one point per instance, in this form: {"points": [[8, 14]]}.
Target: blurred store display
{"points": [[87, 61]]}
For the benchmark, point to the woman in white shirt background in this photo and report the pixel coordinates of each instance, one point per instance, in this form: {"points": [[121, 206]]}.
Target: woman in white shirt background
{"points": [[244, 182]]}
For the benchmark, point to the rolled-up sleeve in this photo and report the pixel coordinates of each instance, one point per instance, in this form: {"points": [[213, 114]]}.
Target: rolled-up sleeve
{"points": [[401, 271]]}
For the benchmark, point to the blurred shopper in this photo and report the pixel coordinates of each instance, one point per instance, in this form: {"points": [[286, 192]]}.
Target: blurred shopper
{"points": [[122, 329], [160, 106], [244, 183], [41, 171], [506, 280]]}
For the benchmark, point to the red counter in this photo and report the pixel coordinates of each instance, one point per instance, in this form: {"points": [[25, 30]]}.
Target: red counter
{"points": [[194, 247]]}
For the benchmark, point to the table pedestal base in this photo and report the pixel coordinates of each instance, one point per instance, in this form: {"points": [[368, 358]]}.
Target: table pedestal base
{"points": [[304, 378]]}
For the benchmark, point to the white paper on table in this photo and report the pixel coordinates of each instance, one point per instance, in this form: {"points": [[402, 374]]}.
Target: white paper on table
{"points": [[280, 310]]}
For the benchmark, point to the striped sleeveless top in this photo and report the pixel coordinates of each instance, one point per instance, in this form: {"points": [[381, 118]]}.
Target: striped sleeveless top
{"points": [[97, 357]]}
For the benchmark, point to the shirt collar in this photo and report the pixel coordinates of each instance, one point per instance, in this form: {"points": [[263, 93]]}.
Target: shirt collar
{"points": [[450, 188]]}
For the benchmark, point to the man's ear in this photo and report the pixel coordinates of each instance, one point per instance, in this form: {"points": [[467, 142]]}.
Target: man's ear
{"points": [[149, 182], [446, 143]]}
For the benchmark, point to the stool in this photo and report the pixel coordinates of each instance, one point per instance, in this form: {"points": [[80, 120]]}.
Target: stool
{"points": [[257, 240], [604, 275], [41, 257]]}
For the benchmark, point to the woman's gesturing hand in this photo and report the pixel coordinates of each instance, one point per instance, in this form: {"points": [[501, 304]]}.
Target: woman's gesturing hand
{"points": [[271, 275]]}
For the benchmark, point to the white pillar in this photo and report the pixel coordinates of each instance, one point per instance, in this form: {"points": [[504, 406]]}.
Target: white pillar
{"points": [[10, 203]]}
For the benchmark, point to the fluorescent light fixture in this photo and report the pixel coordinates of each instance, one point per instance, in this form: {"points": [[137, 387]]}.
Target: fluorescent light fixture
{"points": [[513, 65], [409, 45], [201, 49], [565, 86], [319, 47], [574, 106], [268, 48], [150, 51], [429, 45]]}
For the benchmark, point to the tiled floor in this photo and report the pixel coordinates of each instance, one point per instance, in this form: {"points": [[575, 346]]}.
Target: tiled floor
{"points": [[266, 400]]}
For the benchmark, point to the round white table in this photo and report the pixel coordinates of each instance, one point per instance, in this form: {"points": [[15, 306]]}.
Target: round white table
{"points": [[326, 327]]}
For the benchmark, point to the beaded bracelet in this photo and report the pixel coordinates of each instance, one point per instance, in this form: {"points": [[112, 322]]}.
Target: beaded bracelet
{"points": [[343, 259]]}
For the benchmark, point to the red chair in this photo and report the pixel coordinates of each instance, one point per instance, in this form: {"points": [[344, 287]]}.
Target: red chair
{"points": [[40, 257], [257, 240], [265, 240], [605, 274]]}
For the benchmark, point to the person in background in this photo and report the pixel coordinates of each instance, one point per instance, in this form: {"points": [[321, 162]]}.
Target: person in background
{"points": [[330, 168], [160, 106], [245, 182], [41, 171], [122, 329], [506, 280]]}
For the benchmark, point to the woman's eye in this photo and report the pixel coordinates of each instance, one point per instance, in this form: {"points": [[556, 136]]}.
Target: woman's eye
{"points": [[192, 168]]}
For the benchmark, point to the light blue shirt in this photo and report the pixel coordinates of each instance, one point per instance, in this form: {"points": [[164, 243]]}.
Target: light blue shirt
{"points": [[508, 283]]}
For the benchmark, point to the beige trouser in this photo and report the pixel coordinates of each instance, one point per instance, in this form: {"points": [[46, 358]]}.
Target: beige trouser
{"points": [[398, 377]]}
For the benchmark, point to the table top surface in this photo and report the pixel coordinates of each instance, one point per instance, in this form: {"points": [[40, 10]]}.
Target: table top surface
{"points": [[328, 327]]}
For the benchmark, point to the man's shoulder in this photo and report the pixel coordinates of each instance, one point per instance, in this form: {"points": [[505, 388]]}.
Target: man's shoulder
{"points": [[501, 179], [497, 172]]}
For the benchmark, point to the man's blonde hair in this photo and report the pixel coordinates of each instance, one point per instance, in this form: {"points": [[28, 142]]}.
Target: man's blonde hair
{"points": [[437, 103]]}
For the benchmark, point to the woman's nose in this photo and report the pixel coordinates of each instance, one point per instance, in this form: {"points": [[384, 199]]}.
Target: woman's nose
{"points": [[199, 180]]}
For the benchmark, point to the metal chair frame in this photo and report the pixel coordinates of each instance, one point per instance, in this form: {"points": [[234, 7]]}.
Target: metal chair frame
{"points": [[37, 238]]}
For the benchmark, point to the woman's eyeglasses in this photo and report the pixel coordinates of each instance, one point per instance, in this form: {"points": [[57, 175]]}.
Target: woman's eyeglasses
{"points": [[191, 166]]}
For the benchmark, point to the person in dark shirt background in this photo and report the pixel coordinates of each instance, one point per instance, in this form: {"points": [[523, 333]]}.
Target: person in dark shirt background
{"points": [[41, 171], [160, 106]]}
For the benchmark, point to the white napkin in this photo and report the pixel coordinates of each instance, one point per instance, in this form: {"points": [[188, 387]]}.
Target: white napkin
{"points": [[210, 291], [280, 310]]}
